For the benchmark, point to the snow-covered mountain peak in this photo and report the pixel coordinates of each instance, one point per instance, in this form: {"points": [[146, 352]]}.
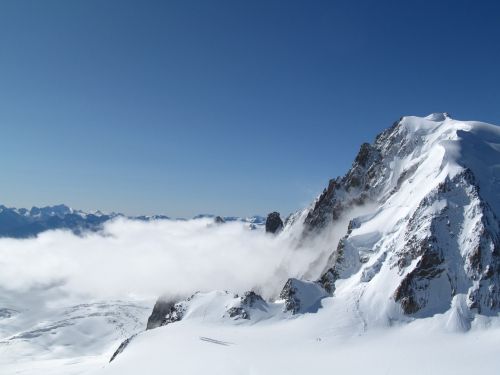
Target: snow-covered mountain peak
{"points": [[428, 189], [438, 116], [410, 231], [446, 148], [417, 215]]}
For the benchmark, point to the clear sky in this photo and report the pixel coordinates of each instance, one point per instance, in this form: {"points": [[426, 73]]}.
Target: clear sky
{"points": [[227, 107]]}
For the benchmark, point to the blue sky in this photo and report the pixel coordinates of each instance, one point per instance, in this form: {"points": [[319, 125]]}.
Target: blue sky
{"points": [[229, 107]]}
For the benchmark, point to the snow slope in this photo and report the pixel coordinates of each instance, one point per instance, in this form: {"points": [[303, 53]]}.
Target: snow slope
{"points": [[310, 344], [44, 332]]}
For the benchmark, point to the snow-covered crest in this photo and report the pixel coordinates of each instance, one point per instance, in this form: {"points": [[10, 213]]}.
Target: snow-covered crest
{"points": [[434, 232], [418, 210]]}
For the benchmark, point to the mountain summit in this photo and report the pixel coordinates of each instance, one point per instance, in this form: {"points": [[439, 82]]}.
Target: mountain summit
{"points": [[429, 239], [418, 216]]}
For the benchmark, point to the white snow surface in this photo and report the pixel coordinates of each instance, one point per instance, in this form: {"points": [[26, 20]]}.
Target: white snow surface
{"points": [[311, 344], [45, 333], [360, 329]]}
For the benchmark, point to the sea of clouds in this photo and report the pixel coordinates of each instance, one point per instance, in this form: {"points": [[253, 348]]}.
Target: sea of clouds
{"points": [[145, 259], [132, 259]]}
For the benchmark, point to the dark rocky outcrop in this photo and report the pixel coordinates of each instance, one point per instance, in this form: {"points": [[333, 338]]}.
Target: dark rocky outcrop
{"points": [[251, 298], [478, 272], [248, 301], [161, 309], [166, 311], [359, 185], [122, 347], [292, 303], [301, 296], [407, 294], [274, 224], [325, 209], [175, 314], [335, 264], [238, 313], [219, 220], [327, 280]]}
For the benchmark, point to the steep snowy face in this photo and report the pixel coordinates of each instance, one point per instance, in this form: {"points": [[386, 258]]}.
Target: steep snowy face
{"points": [[433, 235], [380, 168]]}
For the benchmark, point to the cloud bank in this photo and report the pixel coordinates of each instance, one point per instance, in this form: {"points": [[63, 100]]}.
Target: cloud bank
{"points": [[146, 259]]}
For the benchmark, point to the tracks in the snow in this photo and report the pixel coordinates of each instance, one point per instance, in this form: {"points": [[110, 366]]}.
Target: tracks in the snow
{"points": [[214, 341]]}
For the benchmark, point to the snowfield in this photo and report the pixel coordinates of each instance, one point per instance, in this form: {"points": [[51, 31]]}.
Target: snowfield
{"points": [[37, 337], [288, 345], [307, 345], [394, 268]]}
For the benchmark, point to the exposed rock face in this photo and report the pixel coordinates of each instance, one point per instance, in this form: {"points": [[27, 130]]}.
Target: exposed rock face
{"points": [[302, 296], [247, 302], [361, 184], [122, 347], [175, 314], [219, 220], [434, 239], [442, 236], [161, 309], [274, 224], [327, 280], [238, 313], [165, 311]]}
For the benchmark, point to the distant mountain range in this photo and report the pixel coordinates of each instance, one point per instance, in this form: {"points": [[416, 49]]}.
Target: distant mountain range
{"points": [[25, 223]]}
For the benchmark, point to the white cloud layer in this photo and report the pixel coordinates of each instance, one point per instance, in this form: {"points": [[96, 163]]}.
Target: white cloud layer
{"points": [[145, 259]]}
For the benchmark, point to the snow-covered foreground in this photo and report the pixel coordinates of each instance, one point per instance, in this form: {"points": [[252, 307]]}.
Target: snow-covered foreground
{"points": [[55, 337], [62, 366], [82, 339], [308, 345]]}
